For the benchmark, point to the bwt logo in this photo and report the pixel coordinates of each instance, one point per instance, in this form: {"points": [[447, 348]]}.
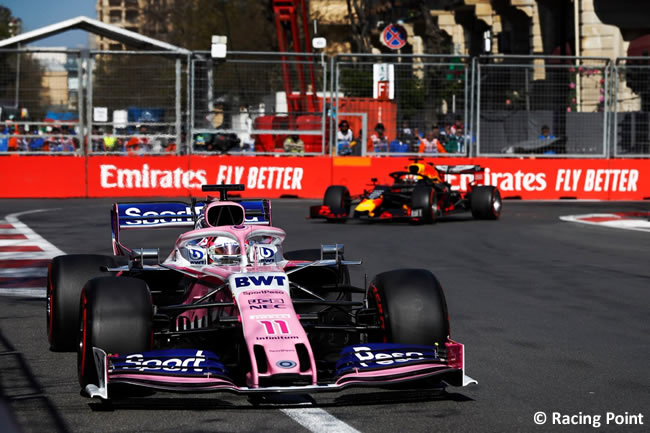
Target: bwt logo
{"points": [[262, 280], [365, 354]]}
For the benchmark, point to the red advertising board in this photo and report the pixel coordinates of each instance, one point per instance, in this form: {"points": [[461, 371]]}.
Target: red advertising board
{"points": [[308, 177], [526, 178], [263, 176], [42, 176]]}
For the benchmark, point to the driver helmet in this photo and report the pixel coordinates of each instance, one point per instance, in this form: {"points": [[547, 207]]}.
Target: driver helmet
{"points": [[410, 178], [224, 251]]}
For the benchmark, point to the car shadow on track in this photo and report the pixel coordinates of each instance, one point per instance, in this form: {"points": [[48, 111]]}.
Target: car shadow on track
{"points": [[405, 222], [275, 401], [21, 395]]}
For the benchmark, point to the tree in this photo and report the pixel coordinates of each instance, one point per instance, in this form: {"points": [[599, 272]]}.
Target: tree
{"points": [[5, 19], [191, 23], [361, 20]]}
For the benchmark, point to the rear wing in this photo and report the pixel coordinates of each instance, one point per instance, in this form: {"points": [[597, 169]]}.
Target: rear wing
{"points": [[459, 169], [127, 216], [477, 172]]}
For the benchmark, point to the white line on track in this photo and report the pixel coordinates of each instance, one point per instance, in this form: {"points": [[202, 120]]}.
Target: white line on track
{"points": [[31, 234], [617, 222], [23, 272], [10, 255], [37, 292], [47, 251], [318, 421]]}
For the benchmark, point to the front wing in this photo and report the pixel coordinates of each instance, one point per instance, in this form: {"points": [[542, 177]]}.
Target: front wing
{"points": [[332, 214], [361, 365]]}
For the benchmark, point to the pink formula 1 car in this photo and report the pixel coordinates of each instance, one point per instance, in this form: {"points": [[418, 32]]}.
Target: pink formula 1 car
{"points": [[228, 310]]}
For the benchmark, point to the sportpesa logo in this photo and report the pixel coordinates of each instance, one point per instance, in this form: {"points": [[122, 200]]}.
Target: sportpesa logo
{"points": [[192, 363]]}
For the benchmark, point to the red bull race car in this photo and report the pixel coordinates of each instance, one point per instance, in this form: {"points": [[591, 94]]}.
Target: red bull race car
{"points": [[421, 193], [229, 310]]}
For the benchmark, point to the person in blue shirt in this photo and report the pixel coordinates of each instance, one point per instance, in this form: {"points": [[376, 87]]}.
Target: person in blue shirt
{"points": [[546, 133]]}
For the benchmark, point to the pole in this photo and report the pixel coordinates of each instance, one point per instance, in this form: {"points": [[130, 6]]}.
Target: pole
{"points": [[17, 96], [576, 28]]}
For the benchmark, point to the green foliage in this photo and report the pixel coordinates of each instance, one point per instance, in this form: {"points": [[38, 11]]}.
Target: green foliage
{"points": [[121, 81], [356, 82], [411, 96], [5, 17]]}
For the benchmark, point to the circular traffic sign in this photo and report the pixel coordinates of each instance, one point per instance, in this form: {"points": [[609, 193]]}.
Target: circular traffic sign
{"points": [[393, 36]]}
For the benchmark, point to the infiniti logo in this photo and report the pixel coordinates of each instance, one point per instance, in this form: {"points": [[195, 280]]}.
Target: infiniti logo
{"points": [[285, 364]]}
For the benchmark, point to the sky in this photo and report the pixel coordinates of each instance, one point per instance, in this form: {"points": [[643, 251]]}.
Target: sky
{"points": [[39, 13]]}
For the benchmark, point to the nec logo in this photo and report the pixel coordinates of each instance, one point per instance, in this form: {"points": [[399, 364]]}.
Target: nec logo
{"points": [[261, 280]]}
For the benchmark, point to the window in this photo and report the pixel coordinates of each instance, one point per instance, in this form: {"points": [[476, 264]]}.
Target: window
{"points": [[115, 17]]}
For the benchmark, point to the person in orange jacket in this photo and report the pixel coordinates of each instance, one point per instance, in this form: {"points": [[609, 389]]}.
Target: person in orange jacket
{"points": [[431, 143]]}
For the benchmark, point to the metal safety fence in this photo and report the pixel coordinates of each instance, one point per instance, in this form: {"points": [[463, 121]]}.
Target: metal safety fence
{"points": [[40, 110], [135, 102], [630, 135], [156, 102], [400, 104], [542, 105], [263, 103]]}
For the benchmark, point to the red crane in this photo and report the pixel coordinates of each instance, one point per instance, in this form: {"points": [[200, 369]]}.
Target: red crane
{"points": [[286, 25]]}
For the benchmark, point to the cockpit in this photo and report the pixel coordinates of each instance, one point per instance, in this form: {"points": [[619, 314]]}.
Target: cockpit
{"points": [[235, 245]]}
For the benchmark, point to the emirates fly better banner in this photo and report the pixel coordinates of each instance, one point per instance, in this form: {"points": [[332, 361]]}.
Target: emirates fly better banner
{"points": [[308, 177]]}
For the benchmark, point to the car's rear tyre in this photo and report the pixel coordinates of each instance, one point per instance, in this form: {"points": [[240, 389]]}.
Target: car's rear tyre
{"points": [[337, 198], [424, 198], [116, 316], [485, 202], [66, 277], [411, 307]]}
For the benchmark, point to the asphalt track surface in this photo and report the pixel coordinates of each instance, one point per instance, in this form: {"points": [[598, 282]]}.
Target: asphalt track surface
{"points": [[554, 316]]}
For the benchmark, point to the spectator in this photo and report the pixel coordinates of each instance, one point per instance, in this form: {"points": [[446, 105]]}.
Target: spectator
{"points": [[344, 138], [199, 143], [405, 133], [456, 143], [379, 139], [111, 143], [216, 116], [458, 124], [431, 143], [138, 144], [293, 144], [546, 133], [445, 132]]}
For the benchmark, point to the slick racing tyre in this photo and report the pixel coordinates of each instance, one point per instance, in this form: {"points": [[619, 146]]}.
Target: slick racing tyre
{"points": [[337, 197], [66, 277], [411, 307], [116, 315], [424, 200], [485, 202]]}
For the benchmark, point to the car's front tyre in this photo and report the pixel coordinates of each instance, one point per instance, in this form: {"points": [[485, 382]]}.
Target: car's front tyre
{"points": [[67, 275], [411, 308], [116, 316]]}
